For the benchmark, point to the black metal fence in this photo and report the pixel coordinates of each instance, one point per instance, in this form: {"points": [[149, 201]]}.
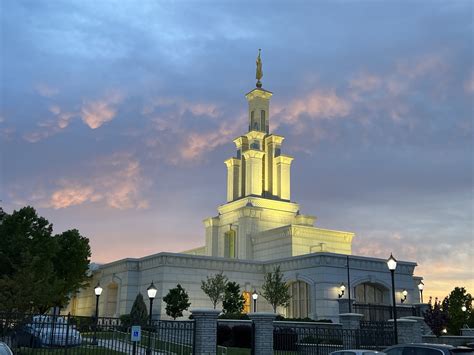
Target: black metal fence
{"points": [[45, 334], [380, 313], [322, 341]]}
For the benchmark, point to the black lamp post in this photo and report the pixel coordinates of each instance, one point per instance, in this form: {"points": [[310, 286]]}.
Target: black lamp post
{"points": [[392, 265], [98, 292], [421, 285], [349, 285], [151, 290], [255, 297]]}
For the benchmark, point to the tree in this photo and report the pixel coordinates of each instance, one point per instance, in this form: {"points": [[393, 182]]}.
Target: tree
{"points": [[177, 301], [233, 302], [275, 290], [453, 303], [214, 287], [436, 317], [39, 270], [139, 313]]}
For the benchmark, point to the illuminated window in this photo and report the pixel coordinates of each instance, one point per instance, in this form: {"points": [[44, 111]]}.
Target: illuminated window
{"points": [[229, 244], [248, 301], [299, 303]]}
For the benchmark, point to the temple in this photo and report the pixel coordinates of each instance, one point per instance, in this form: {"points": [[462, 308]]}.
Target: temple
{"points": [[258, 228]]}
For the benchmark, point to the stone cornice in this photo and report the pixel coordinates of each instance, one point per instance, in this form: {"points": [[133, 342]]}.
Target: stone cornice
{"points": [[255, 135], [283, 159], [232, 162], [255, 201], [211, 221], [260, 93], [274, 138], [321, 259], [253, 153], [239, 141]]}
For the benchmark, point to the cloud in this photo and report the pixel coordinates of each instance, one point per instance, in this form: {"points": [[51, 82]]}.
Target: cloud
{"points": [[95, 113], [46, 90], [469, 84], [197, 144], [118, 182]]}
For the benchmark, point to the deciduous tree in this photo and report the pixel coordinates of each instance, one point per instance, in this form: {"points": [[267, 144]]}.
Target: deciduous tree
{"points": [[275, 289], [39, 270], [436, 317], [454, 303], [214, 287]]}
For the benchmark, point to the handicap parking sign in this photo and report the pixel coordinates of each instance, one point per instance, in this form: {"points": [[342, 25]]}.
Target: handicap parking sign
{"points": [[136, 333]]}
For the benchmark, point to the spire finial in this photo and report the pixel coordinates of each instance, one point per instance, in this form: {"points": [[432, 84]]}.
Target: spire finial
{"points": [[259, 73]]}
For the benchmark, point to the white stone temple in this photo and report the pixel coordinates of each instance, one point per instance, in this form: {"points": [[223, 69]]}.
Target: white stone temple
{"points": [[258, 228]]}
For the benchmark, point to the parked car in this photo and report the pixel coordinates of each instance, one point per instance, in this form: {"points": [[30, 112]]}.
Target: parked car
{"points": [[47, 331], [4, 349], [428, 349], [356, 352]]}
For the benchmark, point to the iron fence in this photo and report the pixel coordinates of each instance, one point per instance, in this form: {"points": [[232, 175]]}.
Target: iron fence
{"points": [[45, 334], [322, 341], [380, 313]]}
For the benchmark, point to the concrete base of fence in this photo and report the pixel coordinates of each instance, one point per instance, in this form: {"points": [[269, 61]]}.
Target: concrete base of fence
{"points": [[205, 328], [263, 334], [350, 321], [424, 328], [409, 331]]}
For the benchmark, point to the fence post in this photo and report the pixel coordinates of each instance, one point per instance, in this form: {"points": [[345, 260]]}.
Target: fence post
{"points": [[263, 335], [350, 329], [408, 331], [205, 331]]}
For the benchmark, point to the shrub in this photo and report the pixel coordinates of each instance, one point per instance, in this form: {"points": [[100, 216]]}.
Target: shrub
{"points": [[242, 336], [285, 339]]}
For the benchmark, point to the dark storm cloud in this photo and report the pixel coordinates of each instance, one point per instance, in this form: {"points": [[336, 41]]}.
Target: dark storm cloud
{"points": [[117, 108]]}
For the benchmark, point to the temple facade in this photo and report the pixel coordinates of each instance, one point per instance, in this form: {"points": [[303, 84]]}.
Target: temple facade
{"points": [[259, 228]]}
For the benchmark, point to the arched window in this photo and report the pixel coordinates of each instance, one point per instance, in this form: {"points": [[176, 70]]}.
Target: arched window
{"points": [[371, 293], [299, 302], [111, 300], [262, 119], [247, 301]]}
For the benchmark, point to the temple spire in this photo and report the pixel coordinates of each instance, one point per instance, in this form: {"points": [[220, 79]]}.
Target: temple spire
{"points": [[259, 72]]}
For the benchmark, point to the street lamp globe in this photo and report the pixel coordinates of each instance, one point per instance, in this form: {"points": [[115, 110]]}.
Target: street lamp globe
{"points": [[98, 290], [392, 263], [151, 290], [421, 285], [464, 308], [254, 295]]}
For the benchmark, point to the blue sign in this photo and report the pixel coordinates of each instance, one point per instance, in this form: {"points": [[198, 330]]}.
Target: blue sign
{"points": [[136, 333]]}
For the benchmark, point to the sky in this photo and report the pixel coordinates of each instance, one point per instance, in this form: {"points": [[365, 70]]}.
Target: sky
{"points": [[116, 118]]}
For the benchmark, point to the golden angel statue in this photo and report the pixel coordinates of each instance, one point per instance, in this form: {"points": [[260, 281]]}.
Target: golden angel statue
{"points": [[259, 73]]}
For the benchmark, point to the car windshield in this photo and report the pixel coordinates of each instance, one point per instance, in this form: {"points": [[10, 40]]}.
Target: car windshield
{"points": [[462, 351]]}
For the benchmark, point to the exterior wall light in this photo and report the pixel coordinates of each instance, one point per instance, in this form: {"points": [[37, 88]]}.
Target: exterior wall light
{"points": [[342, 288], [404, 294]]}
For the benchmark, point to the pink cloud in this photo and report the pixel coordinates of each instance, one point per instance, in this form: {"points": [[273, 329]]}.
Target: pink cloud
{"points": [[469, 84], [97, 112], [119, 184]]}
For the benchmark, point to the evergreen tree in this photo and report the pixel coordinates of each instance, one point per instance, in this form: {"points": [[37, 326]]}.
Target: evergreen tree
{"points": [[275, 289], [234, 301], [214, 287], [436, 317], [139, 313], [177, 301]]}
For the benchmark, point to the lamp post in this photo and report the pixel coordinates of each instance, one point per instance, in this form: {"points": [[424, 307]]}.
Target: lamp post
{"points": [[255, 297], [392, 265], [98, 292], [421, 285], [349, 284], [151, 291]]}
